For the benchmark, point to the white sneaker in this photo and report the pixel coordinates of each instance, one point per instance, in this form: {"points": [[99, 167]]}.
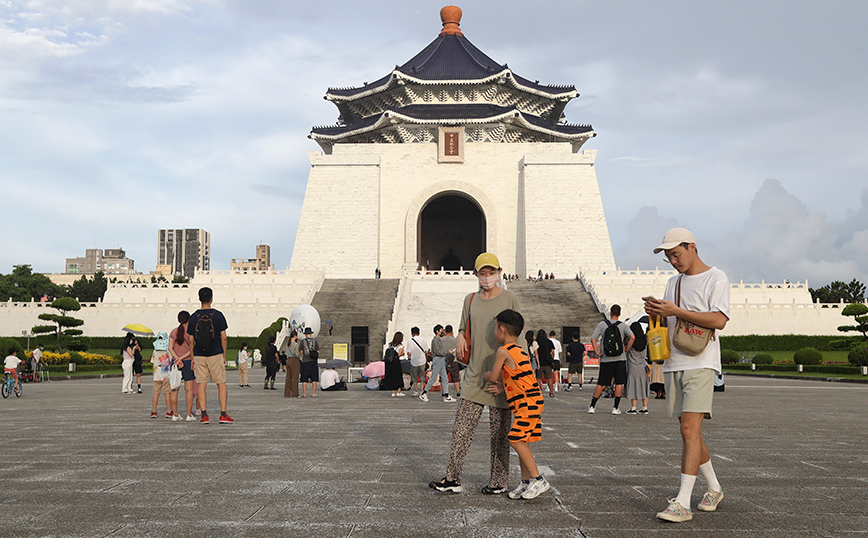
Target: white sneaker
{"points": [[401, 394], [591, 410], [616, 411], [176, 418], [191, 418], [449, 399], [516, 493], [393, 395], [424, 397], [415, 393], [535, 488]]}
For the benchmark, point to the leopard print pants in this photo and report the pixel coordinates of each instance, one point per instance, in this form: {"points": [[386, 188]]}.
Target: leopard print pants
{"points": [[466, 419]]}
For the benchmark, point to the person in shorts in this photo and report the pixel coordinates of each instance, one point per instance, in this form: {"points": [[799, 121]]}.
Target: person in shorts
{"points": [[575, 361], [419, 352], [309, 358], [10, 365], [209, 357], [137, 364], [162, 362], [702, 298], [612, 367]]}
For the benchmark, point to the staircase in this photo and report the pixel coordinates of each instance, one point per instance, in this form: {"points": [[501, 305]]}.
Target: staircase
{"points": [[554, 304], [354, 302]]}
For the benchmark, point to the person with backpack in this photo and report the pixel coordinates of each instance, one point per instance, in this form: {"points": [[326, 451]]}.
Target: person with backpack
{"points": [[638, 385], [309, 362], [394, 377], [207, 334], [612, 341]]}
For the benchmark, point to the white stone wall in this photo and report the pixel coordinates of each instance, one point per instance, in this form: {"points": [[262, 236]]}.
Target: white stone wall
{"points": [[363, 202], [250, 303]]}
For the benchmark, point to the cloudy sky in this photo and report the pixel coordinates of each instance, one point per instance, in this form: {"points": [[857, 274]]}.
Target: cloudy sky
{"points": [[743, 120]]}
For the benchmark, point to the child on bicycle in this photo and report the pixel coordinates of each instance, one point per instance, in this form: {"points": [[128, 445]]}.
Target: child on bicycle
{"points": [[525, 400], [10, 366]]}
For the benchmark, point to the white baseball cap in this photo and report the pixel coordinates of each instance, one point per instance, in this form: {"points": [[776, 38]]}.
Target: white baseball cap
{"points": [[675, 237]]}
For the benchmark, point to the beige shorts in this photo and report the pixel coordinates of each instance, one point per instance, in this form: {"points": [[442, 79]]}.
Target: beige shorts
{"points": [[211, 368], [160, 386], [690, 391]]}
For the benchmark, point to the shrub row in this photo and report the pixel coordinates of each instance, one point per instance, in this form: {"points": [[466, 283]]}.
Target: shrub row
{"points": [[791, 368], [788, 342], [102, 342], [859, 356]]}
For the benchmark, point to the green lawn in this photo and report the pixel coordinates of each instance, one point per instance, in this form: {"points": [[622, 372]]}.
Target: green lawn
{"points": [[797, 374]]}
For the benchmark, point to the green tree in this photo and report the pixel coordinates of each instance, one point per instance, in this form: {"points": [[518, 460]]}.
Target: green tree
{"points": [[62, 324], [838, 291], [89, 291], [180, 279], [858, 312], [22, 285]]}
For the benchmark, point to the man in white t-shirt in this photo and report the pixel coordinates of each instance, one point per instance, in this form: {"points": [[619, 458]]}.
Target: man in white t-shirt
{"points": [[556, 361], [419, 353], [702, 298], [330, 380], [36, 359]]}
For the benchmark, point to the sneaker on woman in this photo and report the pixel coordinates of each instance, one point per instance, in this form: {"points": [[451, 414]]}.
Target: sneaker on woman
{"points": [[535, 488], [675, 512], [516, 493]]}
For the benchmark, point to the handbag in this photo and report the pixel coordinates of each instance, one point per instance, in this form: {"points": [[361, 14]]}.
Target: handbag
{"points": [[466, 358], [174, 378], [658, 340], [690, 337]]}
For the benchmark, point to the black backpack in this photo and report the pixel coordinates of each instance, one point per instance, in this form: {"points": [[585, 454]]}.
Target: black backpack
{"points": [[641, 340], [613, 346], [204, 332], [390, 355]]}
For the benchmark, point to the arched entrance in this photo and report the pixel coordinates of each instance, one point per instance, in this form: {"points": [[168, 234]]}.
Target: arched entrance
{"points": [[451, 232]]}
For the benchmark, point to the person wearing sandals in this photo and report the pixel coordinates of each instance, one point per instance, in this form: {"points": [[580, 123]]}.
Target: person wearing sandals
{"points": [[698, 295], [477, 345]]}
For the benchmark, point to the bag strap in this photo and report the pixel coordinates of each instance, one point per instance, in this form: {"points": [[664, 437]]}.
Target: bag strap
{"points": [[467, 328], [678, 290], [417, 345]]}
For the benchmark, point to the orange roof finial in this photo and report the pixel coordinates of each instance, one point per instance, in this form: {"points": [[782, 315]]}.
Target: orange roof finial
{"points": [[451, 17]]}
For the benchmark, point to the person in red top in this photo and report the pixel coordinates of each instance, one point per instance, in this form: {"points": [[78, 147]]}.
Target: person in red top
{"points": [[512, 373]]}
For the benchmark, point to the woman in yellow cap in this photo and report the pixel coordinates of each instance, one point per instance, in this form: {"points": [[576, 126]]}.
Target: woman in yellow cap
{"points": [[476, 347]]}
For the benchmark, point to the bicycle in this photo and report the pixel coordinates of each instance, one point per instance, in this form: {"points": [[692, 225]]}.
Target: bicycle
{"points": [[9, 386]]}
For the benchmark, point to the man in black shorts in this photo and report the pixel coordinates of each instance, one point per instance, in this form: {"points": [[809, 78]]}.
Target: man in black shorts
{"points": [[613, 356], [575, 361]]}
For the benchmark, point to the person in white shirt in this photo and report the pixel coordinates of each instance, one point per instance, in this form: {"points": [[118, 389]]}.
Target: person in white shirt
{"points": [[241, 362], [36, 359], [699, 294], [556, 362], [419, 354], [10, 366], [330, 380]]}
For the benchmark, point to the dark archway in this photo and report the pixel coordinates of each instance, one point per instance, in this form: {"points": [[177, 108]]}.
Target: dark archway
{"points": [[451, 232]]}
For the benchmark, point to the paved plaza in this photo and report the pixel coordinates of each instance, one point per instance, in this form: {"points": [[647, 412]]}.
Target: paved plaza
{"points": [[81, 459]]}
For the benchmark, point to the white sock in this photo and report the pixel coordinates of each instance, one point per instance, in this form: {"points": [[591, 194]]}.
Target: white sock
{"points": [[686, 490], [708, 472]]}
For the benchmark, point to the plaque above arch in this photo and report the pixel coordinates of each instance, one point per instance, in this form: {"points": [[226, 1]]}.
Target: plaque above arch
{"points": [[450, 145]]}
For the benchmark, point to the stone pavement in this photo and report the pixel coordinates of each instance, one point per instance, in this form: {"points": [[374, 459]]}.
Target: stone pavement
{"points": [[81, 459]]}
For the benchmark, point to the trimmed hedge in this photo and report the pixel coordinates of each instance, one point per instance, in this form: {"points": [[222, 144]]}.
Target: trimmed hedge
{"points": [[808, 356], [791, 368], [763, 358], [728, 356], [859, 356], [786, 342]]}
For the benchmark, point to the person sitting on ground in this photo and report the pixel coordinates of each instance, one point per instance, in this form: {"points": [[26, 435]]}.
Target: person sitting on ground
{"points": [[330, 380]]}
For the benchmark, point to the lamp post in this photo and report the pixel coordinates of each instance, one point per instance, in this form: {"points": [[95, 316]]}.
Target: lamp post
{"points": [[28, 335]]}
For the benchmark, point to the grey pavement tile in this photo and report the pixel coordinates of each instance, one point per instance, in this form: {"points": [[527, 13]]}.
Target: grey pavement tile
{"points": [[790, 455]]}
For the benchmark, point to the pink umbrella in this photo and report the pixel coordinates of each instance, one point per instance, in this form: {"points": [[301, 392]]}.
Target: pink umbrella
{"points": [[374, 369]]}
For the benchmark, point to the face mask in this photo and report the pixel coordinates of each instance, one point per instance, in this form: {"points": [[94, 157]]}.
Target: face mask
{"points": [[488, 282]]}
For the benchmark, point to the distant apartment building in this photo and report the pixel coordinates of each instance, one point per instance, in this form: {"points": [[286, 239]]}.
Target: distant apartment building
{"points": [[184, 250], [262, 262], [111, 261]]}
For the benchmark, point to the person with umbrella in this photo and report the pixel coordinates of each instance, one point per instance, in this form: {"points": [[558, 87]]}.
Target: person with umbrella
{"points": [[393, 376]]}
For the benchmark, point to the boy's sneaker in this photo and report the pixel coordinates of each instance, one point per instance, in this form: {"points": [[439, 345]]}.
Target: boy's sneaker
{"points": [[139, 391], [449, 399], [710, 500], [226, 419], [580, 387], [168, 415], [632, 411], [449, 486], [424, 397], [516, 493], [616, 411], [191, 418], [675, 512], [154, 414], [535, 488], [176, 418], [205, 420], [591, 410], [643, 411], [489, 490]]}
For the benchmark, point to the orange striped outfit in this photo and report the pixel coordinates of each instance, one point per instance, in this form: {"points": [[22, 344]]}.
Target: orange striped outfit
{"points": [[523, 396]]}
